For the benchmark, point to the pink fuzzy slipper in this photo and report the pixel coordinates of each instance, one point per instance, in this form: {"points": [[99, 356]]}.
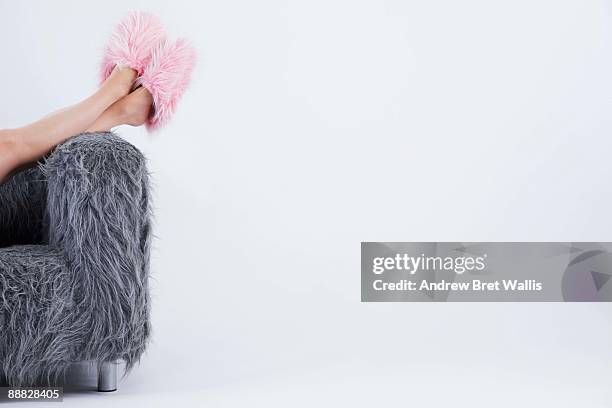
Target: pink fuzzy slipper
{"points": [[166, 78], [132, 43]]}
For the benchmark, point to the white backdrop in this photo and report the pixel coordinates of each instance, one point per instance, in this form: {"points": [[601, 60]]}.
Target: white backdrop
{"points": [[314, 125]]}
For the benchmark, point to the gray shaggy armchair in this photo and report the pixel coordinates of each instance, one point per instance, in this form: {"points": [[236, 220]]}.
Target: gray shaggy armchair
{"points": [[74, 260]]}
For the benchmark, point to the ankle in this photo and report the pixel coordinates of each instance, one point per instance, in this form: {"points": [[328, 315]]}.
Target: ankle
{"points": [[120, 82], [113, 90], [136, 107]]}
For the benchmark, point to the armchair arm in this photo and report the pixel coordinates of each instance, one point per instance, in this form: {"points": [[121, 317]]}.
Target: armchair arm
{"points": [[98, 215], [22, 207]]}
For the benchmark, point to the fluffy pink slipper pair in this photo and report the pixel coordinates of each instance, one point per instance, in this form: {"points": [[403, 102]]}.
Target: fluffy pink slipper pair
{"points": [[164, 68]]}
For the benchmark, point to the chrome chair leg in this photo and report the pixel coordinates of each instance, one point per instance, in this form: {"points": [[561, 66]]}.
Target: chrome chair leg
{"points": [[107, 376]]}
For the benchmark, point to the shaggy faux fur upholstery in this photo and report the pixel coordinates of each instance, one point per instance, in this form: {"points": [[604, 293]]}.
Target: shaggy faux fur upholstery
{"points": [[22, 205], [74, 251]]}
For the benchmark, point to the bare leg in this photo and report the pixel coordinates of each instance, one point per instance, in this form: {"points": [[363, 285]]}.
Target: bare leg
{"points": [[31, 142], [132, 109]]}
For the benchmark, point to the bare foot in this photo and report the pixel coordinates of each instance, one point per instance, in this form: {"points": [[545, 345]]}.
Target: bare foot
{"points": [[120, 81], [137, 107], [133, 109]]}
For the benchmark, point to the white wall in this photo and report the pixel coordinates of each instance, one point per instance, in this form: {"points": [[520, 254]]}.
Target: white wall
{"points": [[314, 125]]}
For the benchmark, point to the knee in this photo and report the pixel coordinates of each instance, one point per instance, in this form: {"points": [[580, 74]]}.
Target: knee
{"points": [[9, 139], [9, 154]]}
